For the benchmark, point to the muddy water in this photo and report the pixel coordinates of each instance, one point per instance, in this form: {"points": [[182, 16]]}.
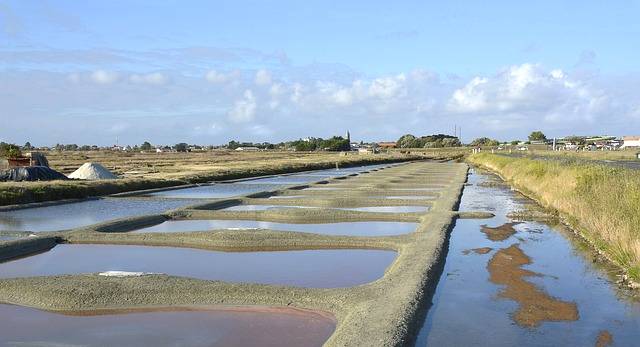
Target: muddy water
{"points": [[314, 268], [534, 287], [78, 214], [344, 228], [178, 327]]}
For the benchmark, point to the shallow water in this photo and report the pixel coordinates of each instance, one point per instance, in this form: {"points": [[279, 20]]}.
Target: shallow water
{"points": [[255, 185], [287, 197], [324, 188], [313, 268], [78, 214], [344, 228], [468, 311], [260, 207], [10, 238], [216, 191], [284, 179], [179, 327], [407, 197], [392, 209]]}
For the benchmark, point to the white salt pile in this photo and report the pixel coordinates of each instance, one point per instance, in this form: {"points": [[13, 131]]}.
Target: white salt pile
{"points": [[92, 171]]}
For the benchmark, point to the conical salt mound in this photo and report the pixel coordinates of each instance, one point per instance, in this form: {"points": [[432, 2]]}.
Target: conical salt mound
{"points": [[92, 171]]}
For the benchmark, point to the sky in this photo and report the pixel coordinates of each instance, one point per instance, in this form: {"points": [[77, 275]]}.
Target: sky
{"points": [[207, 72]]}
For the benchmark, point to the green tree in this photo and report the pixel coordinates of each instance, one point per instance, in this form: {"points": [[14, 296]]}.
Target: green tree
{"points": [[515, 142], [146, 146], [406, 141], [181, 147], [537, 136], [27, 145], [484, 141]]}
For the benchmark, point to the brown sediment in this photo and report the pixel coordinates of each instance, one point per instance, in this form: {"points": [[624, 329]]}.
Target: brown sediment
{"points": [[604, 339], [536, 306], [500, 233], [482, 250], [303, 313]]}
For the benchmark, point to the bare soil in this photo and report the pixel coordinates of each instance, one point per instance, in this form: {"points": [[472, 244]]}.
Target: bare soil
{"points": [[536, 306], [481, 250], [604, 339], [500, 233]]}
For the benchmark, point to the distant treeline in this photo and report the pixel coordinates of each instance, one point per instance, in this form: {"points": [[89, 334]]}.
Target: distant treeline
{"points": [[431, 141], [336, 143]]}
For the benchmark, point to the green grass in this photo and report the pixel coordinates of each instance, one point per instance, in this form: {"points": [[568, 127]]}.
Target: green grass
{"points": [[601, 202]]}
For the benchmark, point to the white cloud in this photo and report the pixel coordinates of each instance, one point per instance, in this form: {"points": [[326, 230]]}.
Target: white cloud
{"points": [[155, 78], [214, 76], [387, 87], [263, 77], [506, 104], [244, 110], [104, 77]]}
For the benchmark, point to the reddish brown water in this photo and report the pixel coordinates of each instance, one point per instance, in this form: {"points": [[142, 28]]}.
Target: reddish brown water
{"points": [[215, 326]]}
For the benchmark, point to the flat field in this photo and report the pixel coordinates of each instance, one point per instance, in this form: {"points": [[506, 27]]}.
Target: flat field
{"points": [[156, 170]]}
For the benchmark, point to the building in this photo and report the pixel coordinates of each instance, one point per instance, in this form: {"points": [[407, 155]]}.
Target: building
{"points": [[630, 141], [248, 149], [386, 145]]}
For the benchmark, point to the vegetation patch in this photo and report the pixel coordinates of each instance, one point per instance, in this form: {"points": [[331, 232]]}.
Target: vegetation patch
{"points": [[602, 203]]}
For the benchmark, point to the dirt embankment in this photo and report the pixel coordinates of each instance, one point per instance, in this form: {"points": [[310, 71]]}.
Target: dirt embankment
{"points": [[536, 306], [481, 250], [178, 171], [604, 339], [499, 233]]}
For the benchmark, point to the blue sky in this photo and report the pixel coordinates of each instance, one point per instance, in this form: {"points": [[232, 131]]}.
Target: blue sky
{"points": [[274, 70]]}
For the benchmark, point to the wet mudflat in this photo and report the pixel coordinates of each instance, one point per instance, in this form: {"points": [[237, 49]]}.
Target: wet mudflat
{"points": [[407, 197], [241, 326], [313, 268], [255, 185], [79, 214], [523, 284], [343, 228], [388, 209], [260, 207], [215, 191], [284, 179]]}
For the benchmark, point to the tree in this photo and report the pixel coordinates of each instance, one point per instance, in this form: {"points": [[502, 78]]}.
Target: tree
{"points": [[27, 145], [146, 146], [515, 142], [406, 141], [181, 147], [537, 136], [484, 141]]}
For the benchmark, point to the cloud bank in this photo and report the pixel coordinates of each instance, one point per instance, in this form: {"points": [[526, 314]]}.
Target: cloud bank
{"points": [[280, 102]]}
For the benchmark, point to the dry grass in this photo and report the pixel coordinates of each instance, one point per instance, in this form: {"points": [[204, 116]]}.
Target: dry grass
{"points": [[628, 154], [602, 202], [154, 170]]}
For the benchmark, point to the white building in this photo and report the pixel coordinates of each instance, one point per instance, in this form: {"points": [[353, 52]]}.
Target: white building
{"points": [[631, 141], [248, 149]]}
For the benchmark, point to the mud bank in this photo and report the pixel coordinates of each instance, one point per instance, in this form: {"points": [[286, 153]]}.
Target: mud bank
{"points": [[382, 313]]}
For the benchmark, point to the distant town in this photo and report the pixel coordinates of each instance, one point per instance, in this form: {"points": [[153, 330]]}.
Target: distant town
{"points": [[537, 140]]}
